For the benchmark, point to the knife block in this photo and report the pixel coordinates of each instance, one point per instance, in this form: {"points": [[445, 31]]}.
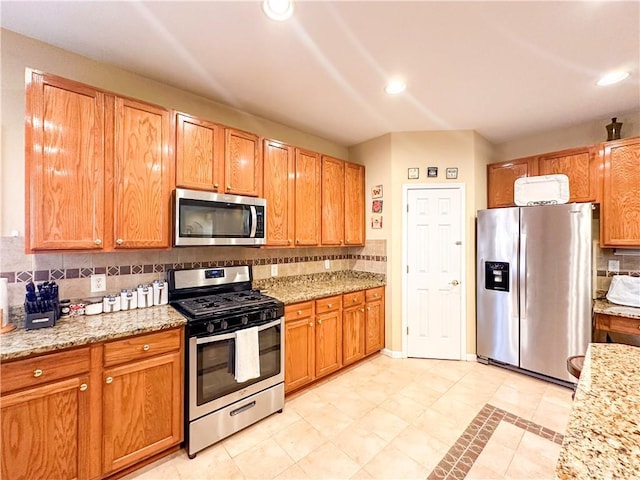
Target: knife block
{"points": [[41, 319]]}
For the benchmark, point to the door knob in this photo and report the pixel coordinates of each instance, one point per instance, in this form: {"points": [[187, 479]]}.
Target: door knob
{"points": [[455, 282]]}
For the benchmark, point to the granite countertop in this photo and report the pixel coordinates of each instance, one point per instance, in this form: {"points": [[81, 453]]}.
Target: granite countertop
{"points": [[602, 305], [302, 288], [603, 434], [82, 330]]}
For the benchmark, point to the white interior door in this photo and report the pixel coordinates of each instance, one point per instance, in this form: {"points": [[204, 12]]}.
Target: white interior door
{"points": [[433, 299]]}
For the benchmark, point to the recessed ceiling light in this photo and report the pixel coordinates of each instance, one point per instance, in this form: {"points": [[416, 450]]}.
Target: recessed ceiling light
{"points": [[395, 86], [612, 77], [278, 9]]}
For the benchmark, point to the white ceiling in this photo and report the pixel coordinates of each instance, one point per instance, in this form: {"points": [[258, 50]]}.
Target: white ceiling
{"points": [[504, 69]]}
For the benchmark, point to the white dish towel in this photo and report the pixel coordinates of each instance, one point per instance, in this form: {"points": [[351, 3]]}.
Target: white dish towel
{"points": [[247, 354]]}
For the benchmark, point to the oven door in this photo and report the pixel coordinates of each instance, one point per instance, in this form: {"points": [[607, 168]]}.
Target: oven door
{"points": [[211, 369]]}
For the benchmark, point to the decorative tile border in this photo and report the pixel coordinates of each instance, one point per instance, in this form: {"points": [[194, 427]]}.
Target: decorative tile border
{"points": [[605, 273], [462, 455], [117, 270]]}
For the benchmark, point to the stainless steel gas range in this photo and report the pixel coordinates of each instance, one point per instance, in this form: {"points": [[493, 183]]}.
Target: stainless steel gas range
{"points": [[219, 303]]}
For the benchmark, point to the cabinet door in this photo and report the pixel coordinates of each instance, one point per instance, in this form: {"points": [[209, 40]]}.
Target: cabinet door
{"points": [[65, 165], [577, 164], [620, 215], [45, 431], [374, 327], [354, 229], [307, 198], [242, 163], [328, 336], [142, 175], [332, 199], [199, 153], [353, 342], [299, 352], [142, 410], [278, 188], [500, 178]]}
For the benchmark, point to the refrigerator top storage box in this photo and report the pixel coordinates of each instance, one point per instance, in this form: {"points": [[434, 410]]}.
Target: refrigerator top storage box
{"points": [[541, 190]]}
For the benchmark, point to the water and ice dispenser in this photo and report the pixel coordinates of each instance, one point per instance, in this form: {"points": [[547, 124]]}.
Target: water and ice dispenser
{"points": [[496, 276]]}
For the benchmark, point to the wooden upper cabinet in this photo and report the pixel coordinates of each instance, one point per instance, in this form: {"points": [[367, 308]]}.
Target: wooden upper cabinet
{"points": [[278, 190], [199, 154], [333, 201], [579, 164], [500, 179], [242, 163], [307, 197], [65, 164], [620, 211], [354, 226], [142, 175]]}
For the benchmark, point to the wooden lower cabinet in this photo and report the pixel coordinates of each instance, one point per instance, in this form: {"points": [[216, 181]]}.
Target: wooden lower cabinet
{"points": [[299, 345], [55, 408], [328, 335], [374, 320], [353, 334]]}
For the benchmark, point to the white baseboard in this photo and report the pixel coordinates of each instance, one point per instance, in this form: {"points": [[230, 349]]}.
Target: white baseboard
{"points": [[471, 357], [391, 353]]}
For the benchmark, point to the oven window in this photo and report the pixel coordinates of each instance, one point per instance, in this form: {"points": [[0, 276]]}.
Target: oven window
{"points": [[216, 365], [200, 219]]}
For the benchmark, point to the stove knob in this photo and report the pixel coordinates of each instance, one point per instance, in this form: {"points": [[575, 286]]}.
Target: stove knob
{"points": [[224, 325], [210, 327], [245, 320], [263, 315], [274, 313]]}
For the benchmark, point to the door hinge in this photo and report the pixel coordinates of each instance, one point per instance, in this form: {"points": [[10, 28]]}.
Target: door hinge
{"points": [[407, 268], [407, 330], [407, 207]]}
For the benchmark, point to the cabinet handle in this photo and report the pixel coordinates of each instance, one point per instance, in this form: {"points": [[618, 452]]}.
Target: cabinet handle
{"points": [[109, 380], [298, 241], [319, 322], [146, 347], [216, 185], [330, 305], [299, 312], [311, 324], [355, 299], [119, 241], [375, 295], [97, 241], [228, 187], [289, 241], [37, 373], [368, 309], [362, 310], [341, 242], [83, 387]]}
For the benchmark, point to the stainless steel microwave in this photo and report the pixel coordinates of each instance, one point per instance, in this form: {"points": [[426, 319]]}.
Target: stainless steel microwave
{"points": [[207, 218]]}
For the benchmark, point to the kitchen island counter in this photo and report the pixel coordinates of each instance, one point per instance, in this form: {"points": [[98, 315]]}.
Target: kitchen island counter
{"points": [[603, 433], [605, 307], [82, 330], [303, 288]]}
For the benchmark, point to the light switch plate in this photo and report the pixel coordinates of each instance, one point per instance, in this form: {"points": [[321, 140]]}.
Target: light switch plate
{"points": [[274, 269], [327, 264], [613, 266]]}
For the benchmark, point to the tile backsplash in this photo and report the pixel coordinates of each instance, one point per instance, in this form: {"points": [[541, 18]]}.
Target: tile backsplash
{"points": [[72, 271], [628, 265]]}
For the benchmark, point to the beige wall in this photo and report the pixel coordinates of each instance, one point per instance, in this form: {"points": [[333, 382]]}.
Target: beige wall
{"points": [[19, 52], [387, 159], [586, 133]]}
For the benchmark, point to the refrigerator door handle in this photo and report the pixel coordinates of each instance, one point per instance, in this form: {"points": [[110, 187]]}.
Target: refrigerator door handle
{"points": [[523, 276], [514, 291]]}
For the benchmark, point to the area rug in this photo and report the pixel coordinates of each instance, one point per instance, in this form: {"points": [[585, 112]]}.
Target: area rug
{"points": [[460, 458]]}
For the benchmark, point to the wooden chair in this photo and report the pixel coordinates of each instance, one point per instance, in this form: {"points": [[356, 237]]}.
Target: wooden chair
{"points": [[574, 367]]}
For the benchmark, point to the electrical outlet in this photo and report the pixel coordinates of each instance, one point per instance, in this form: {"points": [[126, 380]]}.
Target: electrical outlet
{"points": [[327, 264], [274, 269], [614, 266], [98, 283]]}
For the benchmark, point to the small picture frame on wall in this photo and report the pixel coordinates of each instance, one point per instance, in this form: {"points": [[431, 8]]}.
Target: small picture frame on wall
{"points": [[452, 173], [376, 192], [413, 173], [432, 172], [376, 206], [376, 222]]}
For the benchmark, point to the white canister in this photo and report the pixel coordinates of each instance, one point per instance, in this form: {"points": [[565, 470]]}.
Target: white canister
{"points": [[145, 296], [111, 303], [160, 292], [128, 299], [4, 301]]}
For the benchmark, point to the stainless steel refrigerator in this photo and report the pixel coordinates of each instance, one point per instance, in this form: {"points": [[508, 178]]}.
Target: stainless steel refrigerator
{"points": [[534, 286]]}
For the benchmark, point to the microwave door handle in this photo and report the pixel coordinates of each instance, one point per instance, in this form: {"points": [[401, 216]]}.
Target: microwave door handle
{"points": [[254, 221], [228, 336]]}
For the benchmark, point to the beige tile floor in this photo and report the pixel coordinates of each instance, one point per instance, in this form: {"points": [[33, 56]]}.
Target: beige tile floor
{"points": [[387, 419]]}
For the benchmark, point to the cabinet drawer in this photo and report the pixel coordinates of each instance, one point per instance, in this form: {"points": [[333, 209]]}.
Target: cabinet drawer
{"points": [[328, 304], [141, 346], [374, 294], [298, 310], [611, 323], [46, 368], [351, 299]]}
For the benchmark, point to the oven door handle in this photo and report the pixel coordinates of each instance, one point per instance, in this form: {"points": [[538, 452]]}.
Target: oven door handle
{"points": [[227, 336]]}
